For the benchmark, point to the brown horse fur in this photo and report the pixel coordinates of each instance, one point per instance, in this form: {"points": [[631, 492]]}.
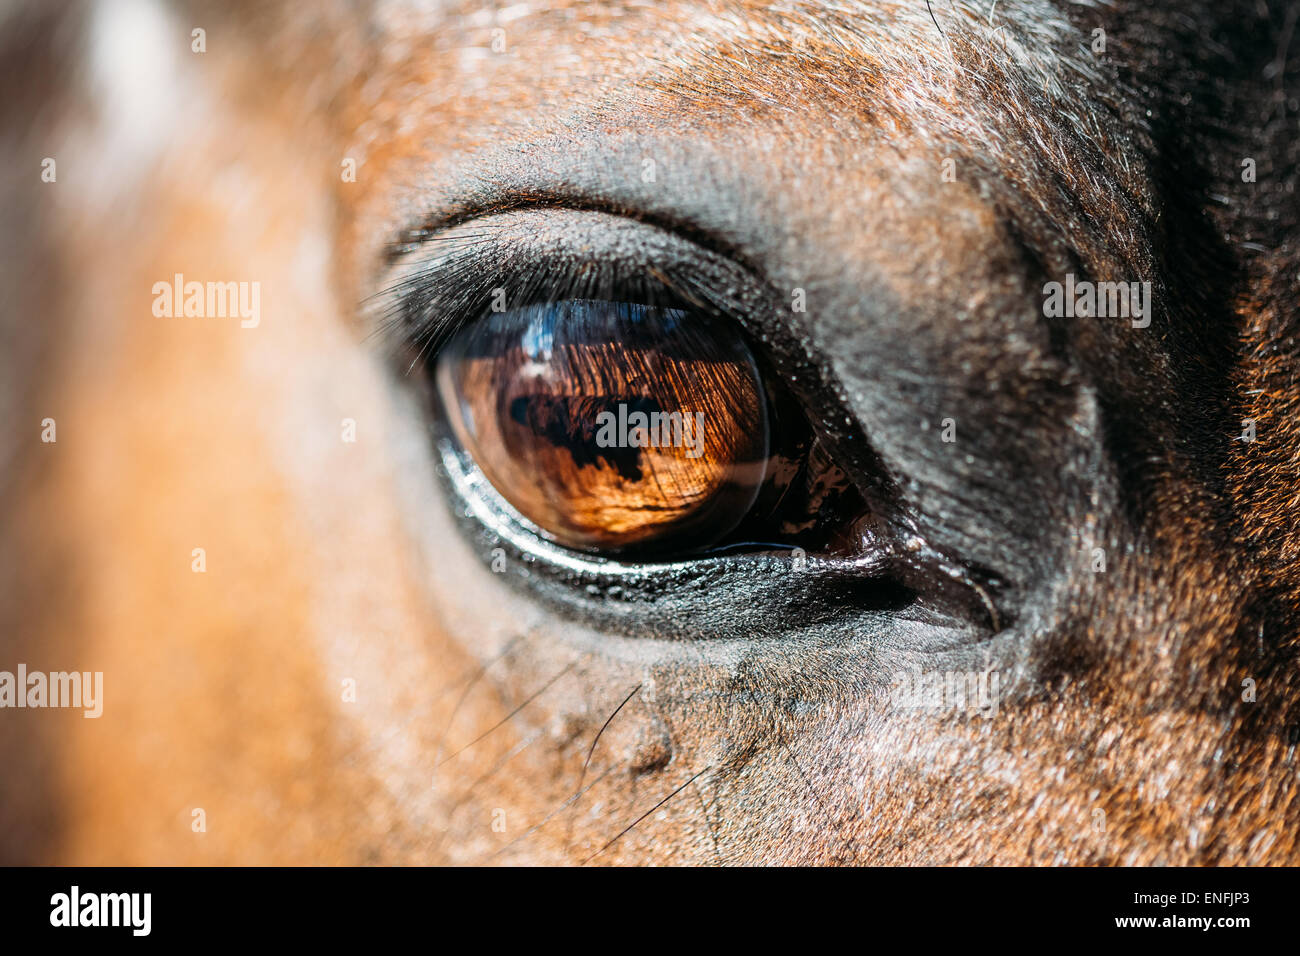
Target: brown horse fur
{"points": [[804, 139]]}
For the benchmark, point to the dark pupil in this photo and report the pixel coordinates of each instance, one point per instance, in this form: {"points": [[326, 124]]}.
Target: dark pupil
{"points": [[610, 425]]}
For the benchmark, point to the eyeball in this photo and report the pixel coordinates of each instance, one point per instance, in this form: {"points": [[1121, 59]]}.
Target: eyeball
{"points": [[611, 426]]}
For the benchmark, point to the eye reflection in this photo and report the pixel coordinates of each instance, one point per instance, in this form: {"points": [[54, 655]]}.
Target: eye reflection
{"points": [[612, 426]]}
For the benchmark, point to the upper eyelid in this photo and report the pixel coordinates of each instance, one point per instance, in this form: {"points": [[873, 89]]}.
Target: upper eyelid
{"points": [[521, 247], [433, 226]]}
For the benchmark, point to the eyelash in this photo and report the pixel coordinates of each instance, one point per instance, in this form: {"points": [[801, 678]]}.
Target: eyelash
{"points": [[416, 317]]}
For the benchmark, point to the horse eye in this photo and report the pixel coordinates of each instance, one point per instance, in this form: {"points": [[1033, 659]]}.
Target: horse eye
{"points": [[612, 426]]}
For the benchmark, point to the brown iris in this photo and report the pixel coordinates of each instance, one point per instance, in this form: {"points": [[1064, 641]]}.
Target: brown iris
{"points": [[611, 425]]}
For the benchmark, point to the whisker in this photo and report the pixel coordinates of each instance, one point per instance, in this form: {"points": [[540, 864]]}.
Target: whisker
{"points": [[531, 697], [550, 816], [608, 721], [622, 833], [510, 755], [777, 732], [587, 763], [473, 682], [936, 22], [708, 822]]}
